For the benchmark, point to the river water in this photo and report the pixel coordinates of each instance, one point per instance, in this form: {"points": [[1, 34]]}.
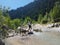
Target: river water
{"points": [[52, 38], [38, 38]]}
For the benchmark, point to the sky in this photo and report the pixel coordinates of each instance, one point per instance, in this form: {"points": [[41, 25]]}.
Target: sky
{"points": [[14, 4]]}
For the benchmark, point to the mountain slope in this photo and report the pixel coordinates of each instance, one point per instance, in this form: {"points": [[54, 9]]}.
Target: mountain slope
{"points": [[33, 9]]}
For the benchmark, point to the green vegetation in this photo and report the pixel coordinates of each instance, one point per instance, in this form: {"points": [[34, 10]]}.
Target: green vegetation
{"points": [[55, 12], [52, 16]]}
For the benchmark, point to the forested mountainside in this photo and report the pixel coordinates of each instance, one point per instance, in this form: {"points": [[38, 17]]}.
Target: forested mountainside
{"points": [[33, 9]]}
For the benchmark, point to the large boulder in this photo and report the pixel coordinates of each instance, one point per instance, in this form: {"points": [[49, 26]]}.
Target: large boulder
{"points": [[1, 42]]}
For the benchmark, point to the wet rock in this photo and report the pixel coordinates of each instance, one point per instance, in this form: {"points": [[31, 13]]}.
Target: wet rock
{"points": [[54, 25], [30, 32], [37, 30], [1, 42], [40, 30]]}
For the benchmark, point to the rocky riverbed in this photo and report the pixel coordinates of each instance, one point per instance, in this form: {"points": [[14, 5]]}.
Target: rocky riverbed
{"points": [[46, 27], [48, 36]]}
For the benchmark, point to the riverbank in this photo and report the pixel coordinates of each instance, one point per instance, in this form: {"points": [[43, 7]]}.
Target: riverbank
{"points": [[48, 36], [46, 27]]}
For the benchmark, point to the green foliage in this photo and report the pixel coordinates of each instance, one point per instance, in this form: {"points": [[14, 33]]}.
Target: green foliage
{"points": [[40, 18], [5, 19], [46, 18], [34, 22], [55, 12], [26, 20], [16, 23], [1, 17]]}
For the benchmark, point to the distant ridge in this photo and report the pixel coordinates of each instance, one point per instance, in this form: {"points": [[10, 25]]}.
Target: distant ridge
{"points": [[33, 9]]}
